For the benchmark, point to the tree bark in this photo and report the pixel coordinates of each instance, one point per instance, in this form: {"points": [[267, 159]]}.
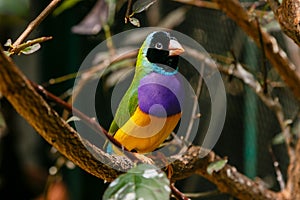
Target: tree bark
{"points": [[16, 88], [288, 16]]}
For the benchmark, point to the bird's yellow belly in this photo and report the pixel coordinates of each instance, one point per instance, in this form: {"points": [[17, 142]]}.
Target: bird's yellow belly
{"points": [[144, 133]]}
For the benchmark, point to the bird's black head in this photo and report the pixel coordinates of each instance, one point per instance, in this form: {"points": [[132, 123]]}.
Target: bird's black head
{"points": [[164, 51]]}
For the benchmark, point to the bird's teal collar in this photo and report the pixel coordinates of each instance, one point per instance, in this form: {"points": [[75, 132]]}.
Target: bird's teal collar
{"points": [[160, 70], [154, 67]]}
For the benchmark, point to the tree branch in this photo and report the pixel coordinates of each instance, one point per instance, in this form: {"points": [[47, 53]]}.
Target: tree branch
{"points": [[36, 22], [15, 87], [288, 16], [228, 180]]}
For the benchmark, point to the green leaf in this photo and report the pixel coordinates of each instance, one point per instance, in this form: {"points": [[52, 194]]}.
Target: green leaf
{"points": [[216, 166], [142, 182], [65, 5], [278, 139], [141, 5], [134, 21], [31, 49]]}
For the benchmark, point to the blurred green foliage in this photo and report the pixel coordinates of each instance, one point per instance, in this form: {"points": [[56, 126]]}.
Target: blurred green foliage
{"points": [[14, 7]]}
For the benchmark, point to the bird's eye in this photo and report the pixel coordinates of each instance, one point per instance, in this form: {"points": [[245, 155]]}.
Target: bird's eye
{"points": [[158, 45]]}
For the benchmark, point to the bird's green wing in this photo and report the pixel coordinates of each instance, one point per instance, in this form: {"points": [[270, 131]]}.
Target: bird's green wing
{"points": [[129, 102], [127, 105]]}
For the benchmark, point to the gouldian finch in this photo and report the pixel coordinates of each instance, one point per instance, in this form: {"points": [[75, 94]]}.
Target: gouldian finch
{"points": [[153, 98]]}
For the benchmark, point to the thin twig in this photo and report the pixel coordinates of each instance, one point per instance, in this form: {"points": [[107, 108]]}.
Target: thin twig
{"points": [[179, 195], [127, 15], [264, 59], [277, 170], [195, 115], [109, 42], [36, 22], [203, 194], [61, 79]]}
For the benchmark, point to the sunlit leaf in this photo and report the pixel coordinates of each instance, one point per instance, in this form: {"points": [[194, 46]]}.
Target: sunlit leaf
{"points": [[65, 5], [142, 182], [141, 5], [8, 43], [72, 119], [31, 49], [278, 139], [216, 166], [134, 21]]}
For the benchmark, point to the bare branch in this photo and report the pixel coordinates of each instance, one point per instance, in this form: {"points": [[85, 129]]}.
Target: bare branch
{"points": [[277, 169], [228, 179], [36, 22], [195, 115], [31, 106], [127, 15], [178, 194]]}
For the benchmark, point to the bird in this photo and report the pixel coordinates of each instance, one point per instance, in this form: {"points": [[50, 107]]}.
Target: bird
{"points": [[153, 98]]}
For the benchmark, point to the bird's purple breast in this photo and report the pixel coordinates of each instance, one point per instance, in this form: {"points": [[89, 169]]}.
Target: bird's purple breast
{"points": [[160, 95]]}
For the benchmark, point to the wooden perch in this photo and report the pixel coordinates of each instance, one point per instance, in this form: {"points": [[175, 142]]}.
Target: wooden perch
{"points": [[16, 88]]}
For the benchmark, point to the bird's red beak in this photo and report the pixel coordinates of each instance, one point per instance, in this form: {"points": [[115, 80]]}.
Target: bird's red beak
{"points": [[175, 48]]}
